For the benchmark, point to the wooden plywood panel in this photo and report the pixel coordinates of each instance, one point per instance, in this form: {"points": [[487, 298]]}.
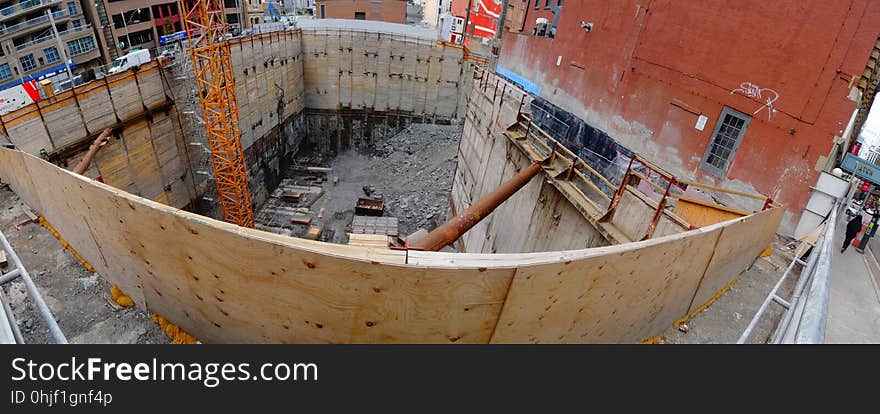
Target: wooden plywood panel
{"points": [[126, 97], [557, 225], [171, 166], [151, 87], [623, 296], [507, 229], [633, 215], [666, 226], [64, 122], [700, 215], [27, 131], [112, 160], [737, 248], [177, 264], [96, 106], [142, 159]]}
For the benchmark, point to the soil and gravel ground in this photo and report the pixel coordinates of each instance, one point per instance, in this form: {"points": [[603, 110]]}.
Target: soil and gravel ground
{"points": [[726, 319], [78, 298], [410, 171]]}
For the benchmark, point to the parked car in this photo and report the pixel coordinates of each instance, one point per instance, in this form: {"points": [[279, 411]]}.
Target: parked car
{"points": [[134, 59], [169, 52]]}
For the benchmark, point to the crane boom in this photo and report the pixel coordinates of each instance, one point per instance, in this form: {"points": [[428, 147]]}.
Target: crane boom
{"points": [[205, 25]]}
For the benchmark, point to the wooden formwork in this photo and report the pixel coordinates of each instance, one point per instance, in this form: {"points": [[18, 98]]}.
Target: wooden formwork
{"points": [[281, 289]]}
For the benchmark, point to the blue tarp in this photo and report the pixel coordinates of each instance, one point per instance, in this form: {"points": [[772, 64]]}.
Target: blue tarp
{"points": [[524, 83]]}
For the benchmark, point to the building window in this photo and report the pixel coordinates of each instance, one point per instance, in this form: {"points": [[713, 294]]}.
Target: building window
{"points": [[546, 3], [360, 16], [71, 7], [322, 11], [51, 54], [137, 38], [537, 4], [28, 63], [128, 18], [5, 73], [80, 46], [728, 134]]}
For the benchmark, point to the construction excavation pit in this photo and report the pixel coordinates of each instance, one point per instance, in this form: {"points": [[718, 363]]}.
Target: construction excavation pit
{"points": [[396, 191], [399, 186]]}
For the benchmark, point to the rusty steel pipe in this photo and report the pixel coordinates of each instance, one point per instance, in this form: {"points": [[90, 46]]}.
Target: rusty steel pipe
{"points": [[93, 149], [453, 229]]}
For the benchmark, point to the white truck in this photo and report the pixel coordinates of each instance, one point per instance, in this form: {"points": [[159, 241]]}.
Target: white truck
{"points": [[133, 59]]}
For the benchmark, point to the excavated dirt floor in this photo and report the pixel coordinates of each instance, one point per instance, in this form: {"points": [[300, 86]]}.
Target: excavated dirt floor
{"points": [[411, 173]]}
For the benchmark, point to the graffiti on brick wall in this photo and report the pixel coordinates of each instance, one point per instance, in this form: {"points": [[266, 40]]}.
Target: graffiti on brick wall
{"points": [[766, 95]]}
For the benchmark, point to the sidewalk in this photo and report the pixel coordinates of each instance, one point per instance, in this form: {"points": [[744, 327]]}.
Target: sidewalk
{"points": [[854, 302]]}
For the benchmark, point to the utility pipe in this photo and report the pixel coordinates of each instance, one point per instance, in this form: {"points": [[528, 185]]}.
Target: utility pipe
{"points": [[453, 229], [93, 149]]}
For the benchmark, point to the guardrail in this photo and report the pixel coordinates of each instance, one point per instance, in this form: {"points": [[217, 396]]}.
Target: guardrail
{"points": [[607, 194], [52, 38], [6, 11], [31, 22], [19, 271], [809, 313]]}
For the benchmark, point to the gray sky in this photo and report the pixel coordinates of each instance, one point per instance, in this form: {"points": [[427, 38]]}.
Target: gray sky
{"points": [[871, 130]]}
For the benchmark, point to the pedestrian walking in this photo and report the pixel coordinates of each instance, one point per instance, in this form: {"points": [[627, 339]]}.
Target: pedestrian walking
{"points": [[852, 229]]}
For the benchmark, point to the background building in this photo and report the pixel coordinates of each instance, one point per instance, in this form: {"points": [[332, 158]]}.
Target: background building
{"points": [[748, 95], [433, 9], [393, 11], [480, 20], [30, 50], [141, 22]]}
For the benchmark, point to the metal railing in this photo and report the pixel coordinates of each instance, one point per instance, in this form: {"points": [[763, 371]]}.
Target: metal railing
{"points": [[30, 4], [35, 21], [20, 272], [808, 312], [52, 38]]}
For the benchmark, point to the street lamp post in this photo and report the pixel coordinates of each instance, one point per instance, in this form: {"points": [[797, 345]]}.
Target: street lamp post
{"points": [[61, 49], [125, 25]]}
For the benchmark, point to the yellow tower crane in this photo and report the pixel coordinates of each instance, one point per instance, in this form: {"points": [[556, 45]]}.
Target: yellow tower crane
{"points": [[205, 25]]}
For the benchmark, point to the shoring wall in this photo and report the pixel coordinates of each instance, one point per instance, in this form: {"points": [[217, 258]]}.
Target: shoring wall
{"points": [[358, 86], [147, 154], [539, 217], [279, 289]]}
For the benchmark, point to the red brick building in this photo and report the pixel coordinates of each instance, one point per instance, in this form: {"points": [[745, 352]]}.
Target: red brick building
{"points": [[393, 11], [748, 94]]}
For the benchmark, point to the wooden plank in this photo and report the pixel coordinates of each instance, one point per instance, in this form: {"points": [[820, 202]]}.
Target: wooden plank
{"points": [[703, 214], [738, 247], [626, 296], [368, 240], [177, 264]]}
